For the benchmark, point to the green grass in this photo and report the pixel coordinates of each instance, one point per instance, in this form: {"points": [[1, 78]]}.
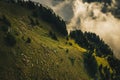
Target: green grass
{"points": [[43, 58]]}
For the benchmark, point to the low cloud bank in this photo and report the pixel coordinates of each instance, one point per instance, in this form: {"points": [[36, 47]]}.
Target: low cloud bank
{"points": [[94, 17]]}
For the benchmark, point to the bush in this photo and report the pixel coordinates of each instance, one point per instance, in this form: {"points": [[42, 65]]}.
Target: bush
{"points": [[37, 22], [67, 38], [67, 50], [53, 35], [6, 21], [72, 60], [70, 44], [4, 28], [28, 40], [10, 39], [32, 22]]}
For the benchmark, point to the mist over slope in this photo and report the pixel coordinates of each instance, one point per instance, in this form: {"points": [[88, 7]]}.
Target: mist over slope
{"points": [[94, 17]]}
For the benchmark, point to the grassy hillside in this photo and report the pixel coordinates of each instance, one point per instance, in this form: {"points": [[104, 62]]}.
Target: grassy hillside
{"points": [[41, 57], [30, 52]]}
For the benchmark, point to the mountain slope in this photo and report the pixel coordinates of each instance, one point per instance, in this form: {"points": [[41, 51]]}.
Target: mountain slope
{"points": [[34, 45], [34, 55]]}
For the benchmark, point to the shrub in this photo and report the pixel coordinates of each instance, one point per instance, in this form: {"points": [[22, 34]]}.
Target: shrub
{"points": [[67, 38], [4, 28], [67, 50], [72, 60], [37, 22], [28, 40], [70, 43], [6, 21], [53, 35], [32, 22], [10, 39]]}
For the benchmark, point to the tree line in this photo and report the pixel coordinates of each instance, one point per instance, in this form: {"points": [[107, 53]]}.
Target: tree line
{"points": [[104, 1], [44, 13], [115, 65], [91, 41]]}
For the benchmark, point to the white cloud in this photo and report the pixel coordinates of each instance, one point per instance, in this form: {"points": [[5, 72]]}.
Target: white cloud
{"points": [[88, 17]]}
